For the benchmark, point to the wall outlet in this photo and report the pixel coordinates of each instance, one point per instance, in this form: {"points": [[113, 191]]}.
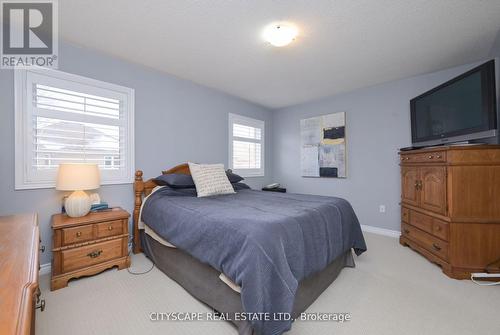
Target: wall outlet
{"points": [[381, 208]]}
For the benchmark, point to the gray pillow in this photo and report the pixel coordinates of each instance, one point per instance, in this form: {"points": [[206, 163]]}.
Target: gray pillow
{"points": [[186, 181], [233, 177], [240, 186], [175, 180]]}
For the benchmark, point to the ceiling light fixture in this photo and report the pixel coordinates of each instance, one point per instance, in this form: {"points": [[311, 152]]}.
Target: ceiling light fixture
{"points": [[280, 34]]}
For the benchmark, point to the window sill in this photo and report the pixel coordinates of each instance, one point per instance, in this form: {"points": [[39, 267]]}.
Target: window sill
{"points": [[248, 175], [37, 186]]}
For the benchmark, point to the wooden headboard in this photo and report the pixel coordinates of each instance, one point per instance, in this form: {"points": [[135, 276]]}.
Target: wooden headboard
{"points": [[142, 189]]}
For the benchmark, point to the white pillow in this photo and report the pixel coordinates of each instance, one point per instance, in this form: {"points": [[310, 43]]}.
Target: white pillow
{"points": [[210, 179]]}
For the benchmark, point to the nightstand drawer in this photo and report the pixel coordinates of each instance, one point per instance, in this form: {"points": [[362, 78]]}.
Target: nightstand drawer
{"points": [[78, 258], [110, 228], [77, 234]]}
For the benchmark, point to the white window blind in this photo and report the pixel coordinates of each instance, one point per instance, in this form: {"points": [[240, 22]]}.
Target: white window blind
{"points": [[63, 118], [246, 145]]}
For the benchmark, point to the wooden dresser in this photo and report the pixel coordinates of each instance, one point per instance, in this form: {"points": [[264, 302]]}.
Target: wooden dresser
{"points": [[88, 245], [19, 292], [450, 207]]}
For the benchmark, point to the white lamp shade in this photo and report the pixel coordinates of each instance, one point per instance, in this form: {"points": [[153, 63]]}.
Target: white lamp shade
{"points": [[72, 177]]}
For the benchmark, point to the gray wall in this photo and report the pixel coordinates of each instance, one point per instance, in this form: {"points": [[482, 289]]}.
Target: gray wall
{"points": [[178, 121], [495, 49], [175, 121], [378, 123]]}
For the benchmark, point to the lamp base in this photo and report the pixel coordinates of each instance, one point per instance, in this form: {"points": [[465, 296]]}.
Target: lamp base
{"points": [[77, 204]]}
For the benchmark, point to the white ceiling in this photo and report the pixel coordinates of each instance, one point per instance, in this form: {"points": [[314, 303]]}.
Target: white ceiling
{"points": [[343, 44]]}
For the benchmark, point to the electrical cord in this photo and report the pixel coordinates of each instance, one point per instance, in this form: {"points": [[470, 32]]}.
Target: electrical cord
{"points": [[491, 266], [139, 273], [483, 284]]}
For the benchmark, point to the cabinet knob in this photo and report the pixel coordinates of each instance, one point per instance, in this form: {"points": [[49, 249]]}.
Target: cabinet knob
{"points": [[78, 234], [438, 156], [431, 157], [438, 228], [110, 228], [406, 231]]}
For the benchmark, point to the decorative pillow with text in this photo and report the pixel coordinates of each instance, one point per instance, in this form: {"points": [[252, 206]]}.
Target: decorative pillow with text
{"points": [[210, 179]]}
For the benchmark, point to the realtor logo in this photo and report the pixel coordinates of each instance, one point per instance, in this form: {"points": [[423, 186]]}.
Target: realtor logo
{"points": [[29, 33]]}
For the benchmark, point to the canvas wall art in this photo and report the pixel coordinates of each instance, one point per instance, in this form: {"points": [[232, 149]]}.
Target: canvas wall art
{"points": [[323, 146]]}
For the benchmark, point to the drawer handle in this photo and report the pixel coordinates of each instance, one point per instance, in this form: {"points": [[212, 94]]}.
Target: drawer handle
{"points": [[438, 228], [436, 247], [110, 228], [406, 231], [78, 234], [431, 157], [41, 305], [95, 254], [438, 156], [418, 184]]}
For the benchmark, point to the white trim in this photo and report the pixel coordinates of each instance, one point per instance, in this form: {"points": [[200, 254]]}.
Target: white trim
{"points": [[24, 178], [381, 231], [239, 119], [45, 269]]}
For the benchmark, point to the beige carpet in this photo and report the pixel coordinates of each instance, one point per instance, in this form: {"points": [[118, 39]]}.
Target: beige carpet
{"points": [[392, 290]]}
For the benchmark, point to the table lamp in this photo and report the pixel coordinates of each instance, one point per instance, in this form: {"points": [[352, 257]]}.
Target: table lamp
{"points": [[77, 178]]}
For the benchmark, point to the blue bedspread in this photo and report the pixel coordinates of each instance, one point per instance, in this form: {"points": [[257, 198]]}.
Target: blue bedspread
{"points": [[266, 242]]}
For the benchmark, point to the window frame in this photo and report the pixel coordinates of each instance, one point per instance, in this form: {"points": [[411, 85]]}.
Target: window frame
{"points": [[25, 177], [250, 122]]}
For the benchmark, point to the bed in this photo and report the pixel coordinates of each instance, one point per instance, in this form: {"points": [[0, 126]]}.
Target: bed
{"points": [[250, 253]]}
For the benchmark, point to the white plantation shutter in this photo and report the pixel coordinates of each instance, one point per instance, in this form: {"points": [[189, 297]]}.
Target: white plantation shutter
{"points": [[63, 118], [246, 145]]}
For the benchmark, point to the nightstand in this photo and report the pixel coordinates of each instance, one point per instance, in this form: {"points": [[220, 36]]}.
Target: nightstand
{"points": [[276, 189], [88, 245]]}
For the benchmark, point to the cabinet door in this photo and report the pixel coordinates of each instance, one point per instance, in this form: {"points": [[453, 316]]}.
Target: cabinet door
{"points": [[433, 192], [409, 183]]}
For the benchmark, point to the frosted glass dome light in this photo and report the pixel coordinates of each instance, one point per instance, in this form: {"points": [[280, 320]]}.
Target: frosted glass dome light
{"points": [[280, 34]]}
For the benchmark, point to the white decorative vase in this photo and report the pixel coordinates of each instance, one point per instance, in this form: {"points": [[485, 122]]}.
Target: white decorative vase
{"points": [[77, 204]]}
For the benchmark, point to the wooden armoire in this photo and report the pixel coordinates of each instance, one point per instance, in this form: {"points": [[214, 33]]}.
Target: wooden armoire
{"points": [[450, 207]]}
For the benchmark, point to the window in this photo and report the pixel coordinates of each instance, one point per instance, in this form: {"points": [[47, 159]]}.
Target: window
{"points": [[62, 117], [246, 146]]}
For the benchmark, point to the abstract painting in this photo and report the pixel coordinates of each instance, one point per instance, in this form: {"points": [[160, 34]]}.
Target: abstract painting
{"points": [[323, 146]]}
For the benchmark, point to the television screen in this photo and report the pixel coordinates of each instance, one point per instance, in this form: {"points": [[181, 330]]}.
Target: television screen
{"points": [[464, 106]]}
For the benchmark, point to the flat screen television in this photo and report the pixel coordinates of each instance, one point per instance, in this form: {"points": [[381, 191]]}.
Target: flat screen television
{"points": [[462, 109]]}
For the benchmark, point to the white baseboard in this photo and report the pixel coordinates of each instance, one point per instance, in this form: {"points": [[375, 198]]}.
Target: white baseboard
{"points": [[45, 269], [381, 231]]}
